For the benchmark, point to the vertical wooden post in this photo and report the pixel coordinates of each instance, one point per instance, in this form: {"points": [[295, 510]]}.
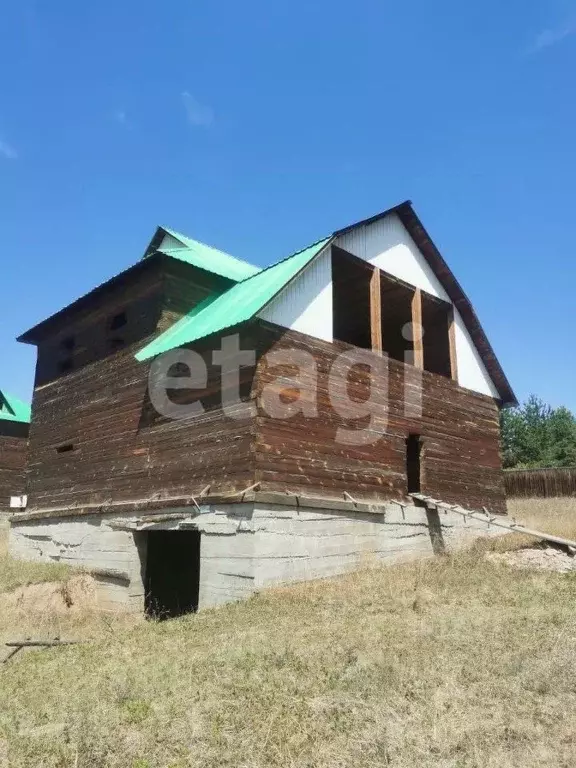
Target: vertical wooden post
{"points": [[376, 312], [452, 343], [418, 329]]}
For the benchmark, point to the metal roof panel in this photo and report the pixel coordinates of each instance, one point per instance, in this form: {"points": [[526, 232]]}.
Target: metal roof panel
{"points": [[206, 257], [13, 409], [236, 305]]}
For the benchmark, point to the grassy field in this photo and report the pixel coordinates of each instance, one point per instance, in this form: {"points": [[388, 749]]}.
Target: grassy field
{"points": [[457, 662]]}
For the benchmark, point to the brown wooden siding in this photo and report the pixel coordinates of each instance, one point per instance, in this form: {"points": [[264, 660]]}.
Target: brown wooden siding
{"points": [[89, 327], [184, 288], [13, 450], [540, 483], [123, 451], [153, 300], [95, 439], [460, 436], [119, 452]]}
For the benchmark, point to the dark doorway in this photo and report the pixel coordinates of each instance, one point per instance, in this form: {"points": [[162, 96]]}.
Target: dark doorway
{"points": [[172, 573], [413, 469]]}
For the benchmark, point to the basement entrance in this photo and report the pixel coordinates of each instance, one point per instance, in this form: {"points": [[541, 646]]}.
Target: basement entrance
{"points": [[172, 573]]}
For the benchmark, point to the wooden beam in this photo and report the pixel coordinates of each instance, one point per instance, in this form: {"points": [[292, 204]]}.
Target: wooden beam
{"points": [[452, 344], [376, 312], [499, 521], [40, 643], [417, 329]]}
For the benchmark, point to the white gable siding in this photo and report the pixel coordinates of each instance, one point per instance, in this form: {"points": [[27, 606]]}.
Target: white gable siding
{"points": [[169, 242], [305, 305], [386, 244], [472, 373]]}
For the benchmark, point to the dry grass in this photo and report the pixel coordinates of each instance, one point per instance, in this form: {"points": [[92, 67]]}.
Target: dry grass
{"points": [[451, 663], [555, 516], [48, 600]]}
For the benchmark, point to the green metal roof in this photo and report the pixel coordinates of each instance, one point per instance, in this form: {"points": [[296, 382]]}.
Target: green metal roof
{"points": [[239, 303], [205, 257], [12, 409]]}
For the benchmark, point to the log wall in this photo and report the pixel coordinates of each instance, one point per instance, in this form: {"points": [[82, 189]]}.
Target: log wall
{"points": [[123, 451], [13, 450], [159, 294], [95, 438], [460, 460]]}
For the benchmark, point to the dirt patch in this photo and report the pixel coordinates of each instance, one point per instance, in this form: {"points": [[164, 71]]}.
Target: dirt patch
{"points": [[542, 557], [73, 595]]}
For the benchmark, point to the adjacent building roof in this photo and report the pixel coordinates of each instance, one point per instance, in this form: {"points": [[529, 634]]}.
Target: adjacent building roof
{"points": [[13, 409]]}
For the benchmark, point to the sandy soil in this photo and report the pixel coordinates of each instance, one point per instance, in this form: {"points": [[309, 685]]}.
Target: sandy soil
{"points": [[545, 558]]}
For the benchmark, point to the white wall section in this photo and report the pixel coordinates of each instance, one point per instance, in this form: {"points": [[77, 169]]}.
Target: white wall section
{"points": [[169, 242], [387, 244], [305, 305], [472, 373]]}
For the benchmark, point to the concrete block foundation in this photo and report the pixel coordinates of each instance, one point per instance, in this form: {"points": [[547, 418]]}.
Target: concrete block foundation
{"points": [[244, 546]]}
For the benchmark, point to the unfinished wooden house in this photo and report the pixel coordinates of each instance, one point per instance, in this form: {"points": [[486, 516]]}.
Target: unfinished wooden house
{"points": [[176, 513], [14, 427]]}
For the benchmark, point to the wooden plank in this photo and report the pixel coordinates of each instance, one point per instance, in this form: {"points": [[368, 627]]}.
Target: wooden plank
{"points": [[499, 522], [40, 643], [452, 344], [417, 329], [375, 312]]}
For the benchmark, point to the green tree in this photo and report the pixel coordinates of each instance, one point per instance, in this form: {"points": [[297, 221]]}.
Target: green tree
{"points": [[562, 439], [536, 435]]}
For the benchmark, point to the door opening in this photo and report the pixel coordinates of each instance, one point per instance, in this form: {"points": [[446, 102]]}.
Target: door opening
{"points": [[413, 469], [172, 573]]}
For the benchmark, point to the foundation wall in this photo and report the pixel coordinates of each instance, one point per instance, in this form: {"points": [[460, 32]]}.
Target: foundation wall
{"points": [[244, 547]]}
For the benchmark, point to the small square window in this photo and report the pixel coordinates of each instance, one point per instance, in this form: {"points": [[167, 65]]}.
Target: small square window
{"points": [[118, 321], [66, 365], [68, 343], [66, 448], [116, 343]]}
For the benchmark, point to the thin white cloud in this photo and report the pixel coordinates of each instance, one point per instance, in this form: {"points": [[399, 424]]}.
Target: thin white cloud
{"points": [[553, 35], [7, 151], [197, 114], [121, 117]]}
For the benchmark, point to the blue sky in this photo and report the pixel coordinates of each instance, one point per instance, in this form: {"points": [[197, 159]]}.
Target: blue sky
{"points": [[260, 126]]}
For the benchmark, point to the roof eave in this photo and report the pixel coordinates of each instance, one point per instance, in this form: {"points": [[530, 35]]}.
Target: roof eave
{"points": [[32, 335]]}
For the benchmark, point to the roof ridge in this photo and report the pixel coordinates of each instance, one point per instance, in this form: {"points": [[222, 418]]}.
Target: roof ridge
{"points": [[177, 234], [291, 256], [236, 305]]}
